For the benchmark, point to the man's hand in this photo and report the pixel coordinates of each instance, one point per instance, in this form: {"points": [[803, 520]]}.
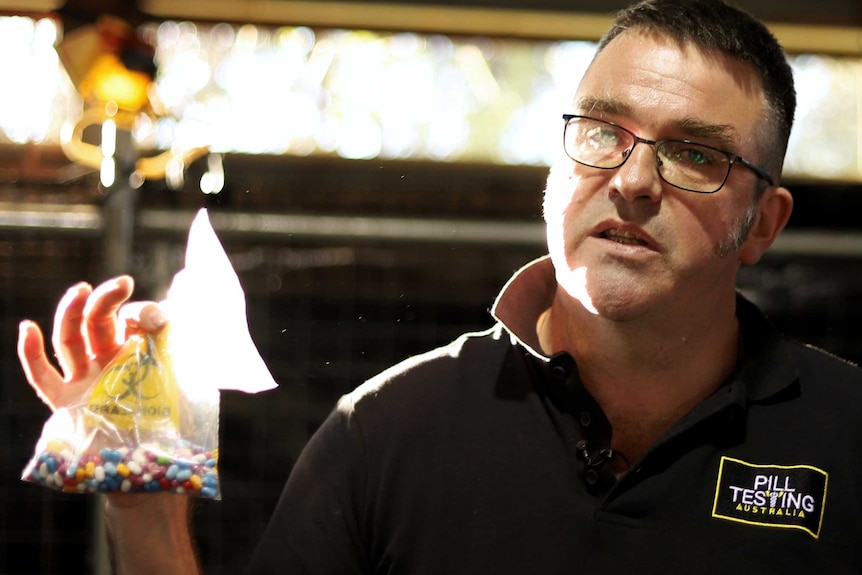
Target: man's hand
{"points": [[84, 338], [149, 532]]}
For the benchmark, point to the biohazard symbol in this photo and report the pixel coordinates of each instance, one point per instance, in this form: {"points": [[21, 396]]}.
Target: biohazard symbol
{"points": [[136, 376]]}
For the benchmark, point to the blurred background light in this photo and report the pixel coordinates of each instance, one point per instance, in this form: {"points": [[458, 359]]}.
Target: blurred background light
{"points": [[362, 95]]}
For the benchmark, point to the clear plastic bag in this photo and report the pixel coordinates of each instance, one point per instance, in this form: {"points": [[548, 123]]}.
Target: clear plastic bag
{"points": [[149, 423], [133, 431]]}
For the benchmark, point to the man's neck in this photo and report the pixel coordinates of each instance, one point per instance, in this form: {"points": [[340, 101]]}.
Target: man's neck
{"points": [[645, 374]]}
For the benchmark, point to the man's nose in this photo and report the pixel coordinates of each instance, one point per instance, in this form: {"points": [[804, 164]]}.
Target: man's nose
{"points": [[638, 177]]}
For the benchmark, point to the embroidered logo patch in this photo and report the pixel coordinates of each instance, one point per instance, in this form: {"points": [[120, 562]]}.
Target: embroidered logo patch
{"points": [[784, 496]]}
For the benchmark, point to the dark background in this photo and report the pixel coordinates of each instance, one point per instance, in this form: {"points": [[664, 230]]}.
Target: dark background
{"points": [[329, 310]]}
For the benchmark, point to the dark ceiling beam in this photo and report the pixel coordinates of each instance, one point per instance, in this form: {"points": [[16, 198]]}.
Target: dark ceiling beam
{"points": [[833, 28], [469, 20]]}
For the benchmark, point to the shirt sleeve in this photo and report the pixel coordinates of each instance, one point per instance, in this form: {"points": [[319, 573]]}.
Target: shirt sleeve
{"points": [[316, 527]]}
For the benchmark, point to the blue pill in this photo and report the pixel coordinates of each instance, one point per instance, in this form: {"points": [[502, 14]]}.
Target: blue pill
{"points": [[110, 468], [184, 475], [208, 492], [172, 471], [210, 480], [112, 455]]}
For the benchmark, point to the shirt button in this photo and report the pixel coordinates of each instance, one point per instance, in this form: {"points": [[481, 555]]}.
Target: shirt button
{"points": [[591, 476], [559, 372], [586, 419]]}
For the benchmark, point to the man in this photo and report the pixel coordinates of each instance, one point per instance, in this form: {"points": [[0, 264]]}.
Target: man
{"points": [[630, 412]]}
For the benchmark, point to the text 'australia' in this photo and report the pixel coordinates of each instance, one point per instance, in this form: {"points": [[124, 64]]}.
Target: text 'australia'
{"points": [[771, 495]]}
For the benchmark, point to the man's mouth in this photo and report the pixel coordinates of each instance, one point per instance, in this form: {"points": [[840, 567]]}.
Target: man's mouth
{"points": [[622, 237]]}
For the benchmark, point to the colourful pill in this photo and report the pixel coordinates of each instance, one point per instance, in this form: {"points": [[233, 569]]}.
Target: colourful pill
{"points": [[139, 456], [171, 472], [178, 468], [110, 455]]}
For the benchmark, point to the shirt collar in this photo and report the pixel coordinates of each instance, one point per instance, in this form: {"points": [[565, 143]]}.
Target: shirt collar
{"points": [[523, 299], [766, 367]]}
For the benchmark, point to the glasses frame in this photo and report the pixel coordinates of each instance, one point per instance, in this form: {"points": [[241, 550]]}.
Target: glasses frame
{"points": [[731, 157]]}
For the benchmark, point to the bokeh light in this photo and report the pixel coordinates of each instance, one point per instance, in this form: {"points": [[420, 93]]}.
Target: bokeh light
{"points": [[363, 95]]}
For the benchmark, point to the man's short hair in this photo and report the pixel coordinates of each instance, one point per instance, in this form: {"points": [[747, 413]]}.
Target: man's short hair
{"points": [[715, 26]]}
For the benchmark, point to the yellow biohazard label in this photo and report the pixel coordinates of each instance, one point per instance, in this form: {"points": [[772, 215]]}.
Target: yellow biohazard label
{"points": [[138, 389]]}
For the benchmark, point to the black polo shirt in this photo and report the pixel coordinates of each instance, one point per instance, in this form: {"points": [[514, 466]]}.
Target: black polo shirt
{"points": [[486, 457]]}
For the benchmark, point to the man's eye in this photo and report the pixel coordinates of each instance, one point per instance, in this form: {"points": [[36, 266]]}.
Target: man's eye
{"points": [[695, 156], [688, 154], [603, 138]]}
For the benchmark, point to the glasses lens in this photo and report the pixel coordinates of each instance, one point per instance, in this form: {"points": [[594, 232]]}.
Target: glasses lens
{"points": [[596, 143], [692, 166]]}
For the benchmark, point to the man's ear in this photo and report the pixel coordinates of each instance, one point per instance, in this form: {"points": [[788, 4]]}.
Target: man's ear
{"points": [[773, 211]]}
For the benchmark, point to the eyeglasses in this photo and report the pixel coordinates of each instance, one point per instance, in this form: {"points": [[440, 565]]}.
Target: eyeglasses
{"points": [[681, 163]]}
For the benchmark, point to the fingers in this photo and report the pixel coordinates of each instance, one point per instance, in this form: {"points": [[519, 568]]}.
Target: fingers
{"points": [[84, 338], [85, 325], [146, 316], [100, 317], [70, 346], [41, 374]]}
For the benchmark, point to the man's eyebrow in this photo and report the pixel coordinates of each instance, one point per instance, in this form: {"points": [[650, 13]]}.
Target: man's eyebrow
{"points": [[722, 136], [596, 104]]}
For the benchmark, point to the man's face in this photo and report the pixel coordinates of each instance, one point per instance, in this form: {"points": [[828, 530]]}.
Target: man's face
{"points": [[623, 241]]}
